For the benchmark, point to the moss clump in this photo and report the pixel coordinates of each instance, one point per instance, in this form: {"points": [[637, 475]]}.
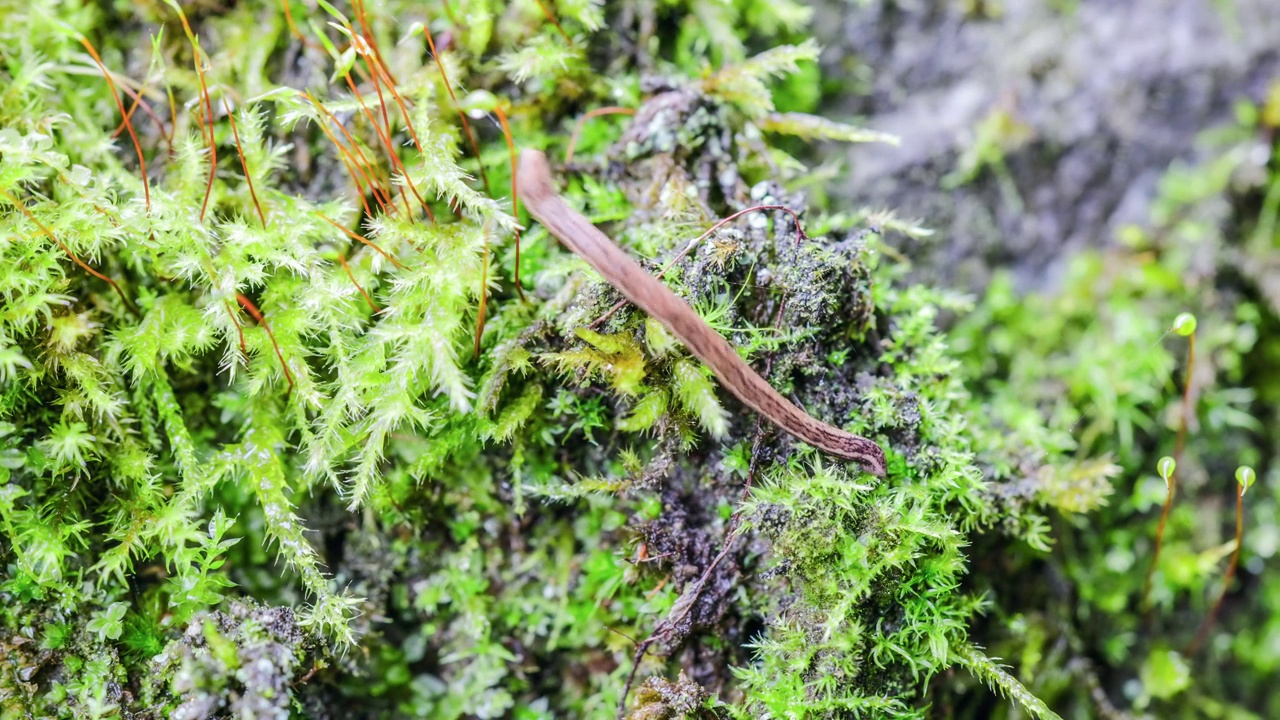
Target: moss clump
{"points": [[253, 463]]}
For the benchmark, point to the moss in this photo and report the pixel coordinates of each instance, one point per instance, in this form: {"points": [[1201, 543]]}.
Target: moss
{"points": [[253, 464], [1105, 361]]}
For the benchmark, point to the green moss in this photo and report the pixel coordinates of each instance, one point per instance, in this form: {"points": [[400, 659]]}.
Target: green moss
{"points": [[251, 464], [1105, 360]]}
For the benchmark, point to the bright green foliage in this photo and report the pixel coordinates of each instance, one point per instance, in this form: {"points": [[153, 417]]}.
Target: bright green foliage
{"points": [[252, 465], [1246, 477], [1165, 675], [696, 393], [1099, 359], [1002, 682], [1184, 324]]}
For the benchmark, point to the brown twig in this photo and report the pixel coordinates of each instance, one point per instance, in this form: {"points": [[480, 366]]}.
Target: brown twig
{"points": [[651, 295], [694, 243]]}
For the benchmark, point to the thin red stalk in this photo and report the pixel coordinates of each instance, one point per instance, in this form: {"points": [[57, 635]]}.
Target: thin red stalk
{"points": [[360, 99], [1203, 632], [373, 74], [252, 309], [400, 164], [373, 44], [244, 351], [347, 268], [101, 210], [288, 19], [173, 115], [515, 197], [391, 153], [382, 101], [448, 11], [371, 174], [694, 243], [550, 16], [167, 134], [352, 166], [349, 162], [1179, 444], [408, 122], [408, 208], [466, 126], [1188, 410], [375, 68], [137, 146], [208, 106], [133, 107], [213, 144], [577, 128], [1164, 517], [359, 239], [293, 28], [385, 139], [244, 163], [404, 108], [85, 266]]}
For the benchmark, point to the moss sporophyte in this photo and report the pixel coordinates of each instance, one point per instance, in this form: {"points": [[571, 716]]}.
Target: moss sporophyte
{"points": [[644, 290]]}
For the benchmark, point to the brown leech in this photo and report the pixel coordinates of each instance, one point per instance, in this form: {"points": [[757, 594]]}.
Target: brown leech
{"points": [[655, 298]]}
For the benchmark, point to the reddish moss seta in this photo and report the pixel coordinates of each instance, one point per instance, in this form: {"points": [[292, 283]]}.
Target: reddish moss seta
{"points": [[582, 121], [244, 163], [128, 123], [253, 310], [85, 266]]}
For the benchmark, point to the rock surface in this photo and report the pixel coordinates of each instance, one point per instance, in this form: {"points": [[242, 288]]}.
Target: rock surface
{"points": [[1089, 103]]}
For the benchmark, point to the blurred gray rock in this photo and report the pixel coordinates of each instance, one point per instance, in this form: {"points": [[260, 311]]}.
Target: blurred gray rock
{"points": [[1100, 96]]}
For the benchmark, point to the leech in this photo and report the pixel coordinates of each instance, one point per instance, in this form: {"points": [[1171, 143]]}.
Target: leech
{"points": [[655, 298]]}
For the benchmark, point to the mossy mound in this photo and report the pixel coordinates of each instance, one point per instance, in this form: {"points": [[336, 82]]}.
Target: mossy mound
{"points": [[291, 426]]}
